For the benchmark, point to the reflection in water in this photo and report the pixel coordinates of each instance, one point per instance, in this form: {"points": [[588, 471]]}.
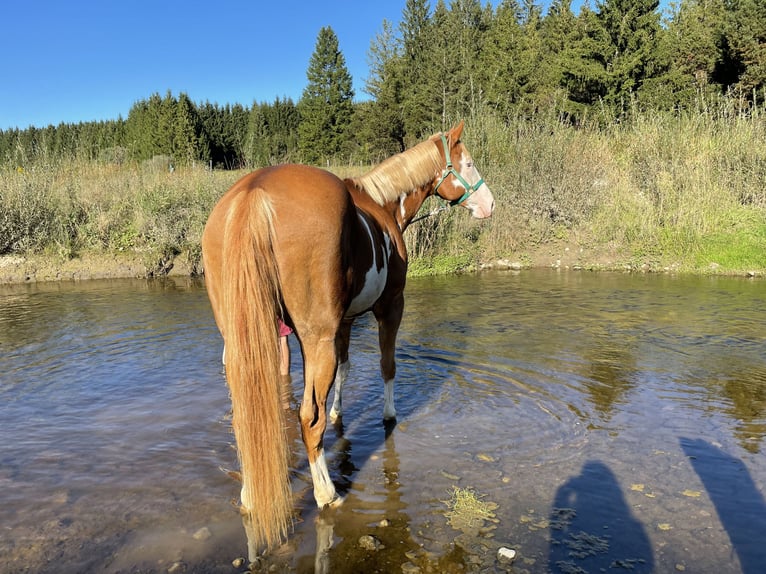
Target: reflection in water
{"points": [[592, 527], [737, 500], [370, 531], [612, 373], [537, 390], [746, 390]]}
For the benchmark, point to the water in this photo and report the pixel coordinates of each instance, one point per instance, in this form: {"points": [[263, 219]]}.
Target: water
{"points": [[608, 421]]}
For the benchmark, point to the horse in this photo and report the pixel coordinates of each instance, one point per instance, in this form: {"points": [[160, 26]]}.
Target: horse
{"points": [[296, 243]]}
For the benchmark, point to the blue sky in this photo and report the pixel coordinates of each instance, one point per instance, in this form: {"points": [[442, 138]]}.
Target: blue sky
{"points": [[82, 60]]}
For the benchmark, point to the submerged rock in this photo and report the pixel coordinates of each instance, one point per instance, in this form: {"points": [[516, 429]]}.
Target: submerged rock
{"points": [[369, 542], [506, 555], [202, 534]]}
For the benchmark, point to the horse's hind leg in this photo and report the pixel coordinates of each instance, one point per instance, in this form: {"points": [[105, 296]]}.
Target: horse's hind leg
{"points": [[389, 317], [342, 342], [319, 369]]}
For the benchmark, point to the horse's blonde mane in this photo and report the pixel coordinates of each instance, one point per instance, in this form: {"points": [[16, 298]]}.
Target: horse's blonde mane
{"points": [[401, 173]]}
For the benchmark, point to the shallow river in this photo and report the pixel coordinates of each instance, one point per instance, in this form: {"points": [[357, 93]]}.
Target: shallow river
{"points": [[597, 422]]}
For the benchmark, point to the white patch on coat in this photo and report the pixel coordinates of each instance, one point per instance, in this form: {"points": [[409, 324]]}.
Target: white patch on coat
{"points": [[374, 280]]}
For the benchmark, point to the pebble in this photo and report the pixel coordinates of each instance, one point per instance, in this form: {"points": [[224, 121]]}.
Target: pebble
{"points": [[410, 568], [506, 555], [238, 562], [202, 534], [369, 542], [176, 567]]}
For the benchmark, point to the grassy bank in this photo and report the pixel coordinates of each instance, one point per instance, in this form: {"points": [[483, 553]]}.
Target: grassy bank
{"points": [[686, 193]]}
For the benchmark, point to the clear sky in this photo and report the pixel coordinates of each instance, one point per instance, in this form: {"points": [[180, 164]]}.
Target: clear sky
{"points": [[81, 60]]}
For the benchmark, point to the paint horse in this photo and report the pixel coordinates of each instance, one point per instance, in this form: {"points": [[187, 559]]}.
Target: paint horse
{"points": [[297, 243]]}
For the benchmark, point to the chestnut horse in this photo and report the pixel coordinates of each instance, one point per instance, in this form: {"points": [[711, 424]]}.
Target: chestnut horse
{"points": [[298, 243]]}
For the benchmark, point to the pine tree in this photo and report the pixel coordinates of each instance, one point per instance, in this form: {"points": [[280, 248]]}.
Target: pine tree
{"points": [[633, 28], [419, 106], [460, 34], [557, 34], [383, 121], [746, 48], [500, 57], [584, 63], [326, 105], [185, 131], [690, 51]]}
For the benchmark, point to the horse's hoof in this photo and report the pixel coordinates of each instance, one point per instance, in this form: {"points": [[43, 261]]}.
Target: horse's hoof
{"points": [[335, 502]]}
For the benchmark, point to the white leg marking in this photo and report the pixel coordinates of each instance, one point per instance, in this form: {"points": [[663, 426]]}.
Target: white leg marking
{"points": [[337, 403], [244, 496], [389, 412], [324, 489]]}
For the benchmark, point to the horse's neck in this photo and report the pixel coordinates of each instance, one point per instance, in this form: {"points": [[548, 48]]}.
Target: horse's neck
{"points": [[405, 209]]}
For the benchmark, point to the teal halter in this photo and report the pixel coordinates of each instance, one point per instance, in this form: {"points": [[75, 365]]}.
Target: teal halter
{"points": [[450, 170]]}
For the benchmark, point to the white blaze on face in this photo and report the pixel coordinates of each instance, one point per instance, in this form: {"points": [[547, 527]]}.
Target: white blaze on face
{"points": [[374, 279], [480, 202]]}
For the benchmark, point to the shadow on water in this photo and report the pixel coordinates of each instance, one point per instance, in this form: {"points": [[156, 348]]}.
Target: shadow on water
{"points": [[738, 502], [592, 527]]}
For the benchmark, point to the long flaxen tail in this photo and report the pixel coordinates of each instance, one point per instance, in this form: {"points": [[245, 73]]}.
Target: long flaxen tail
{"points": [[250, 305]]}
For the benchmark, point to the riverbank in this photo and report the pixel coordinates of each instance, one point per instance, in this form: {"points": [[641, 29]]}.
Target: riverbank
{"points": [[679, 193], [35, 268]]}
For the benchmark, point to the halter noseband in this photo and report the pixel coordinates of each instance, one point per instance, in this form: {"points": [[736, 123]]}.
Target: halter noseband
{"points": [[450, 170]]}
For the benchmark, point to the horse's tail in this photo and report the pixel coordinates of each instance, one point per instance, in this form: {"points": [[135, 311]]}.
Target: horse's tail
{"points": [[251, 294]]}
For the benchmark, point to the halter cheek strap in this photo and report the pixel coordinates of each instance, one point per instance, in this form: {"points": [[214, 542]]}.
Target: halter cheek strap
{"points": [[450, 170]]}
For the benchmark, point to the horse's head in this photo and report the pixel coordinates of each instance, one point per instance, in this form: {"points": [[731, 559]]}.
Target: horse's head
{"points": [[460, 183]]}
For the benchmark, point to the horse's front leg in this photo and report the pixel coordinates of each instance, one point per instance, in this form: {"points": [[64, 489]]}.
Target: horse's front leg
{"points": [[341, 344], [319, 370], [389, 317]]}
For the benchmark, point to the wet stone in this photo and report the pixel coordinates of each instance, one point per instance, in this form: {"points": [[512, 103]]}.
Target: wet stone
{"points": [[202, 534], [506, 555], [369, 542]]}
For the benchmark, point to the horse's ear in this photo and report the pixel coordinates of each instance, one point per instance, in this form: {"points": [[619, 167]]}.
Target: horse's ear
{"points": [[454, 134]]}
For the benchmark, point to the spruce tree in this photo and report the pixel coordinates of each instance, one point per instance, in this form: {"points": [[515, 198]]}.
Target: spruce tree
{"points": [[745, 50], [500, 57], [385, 128], [326, 105], [419, 106], [633, 29]]}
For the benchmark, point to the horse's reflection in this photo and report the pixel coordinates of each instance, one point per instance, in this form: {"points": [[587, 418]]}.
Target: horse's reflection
{"points": [[384, 519], [380, 512], [353, 518]]}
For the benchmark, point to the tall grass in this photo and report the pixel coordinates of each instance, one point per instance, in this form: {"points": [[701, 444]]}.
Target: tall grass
{"points": [[682, 190], [71, 208]]}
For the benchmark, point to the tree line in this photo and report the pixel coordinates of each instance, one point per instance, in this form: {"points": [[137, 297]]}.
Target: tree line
{"points": [[602, 64]]}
